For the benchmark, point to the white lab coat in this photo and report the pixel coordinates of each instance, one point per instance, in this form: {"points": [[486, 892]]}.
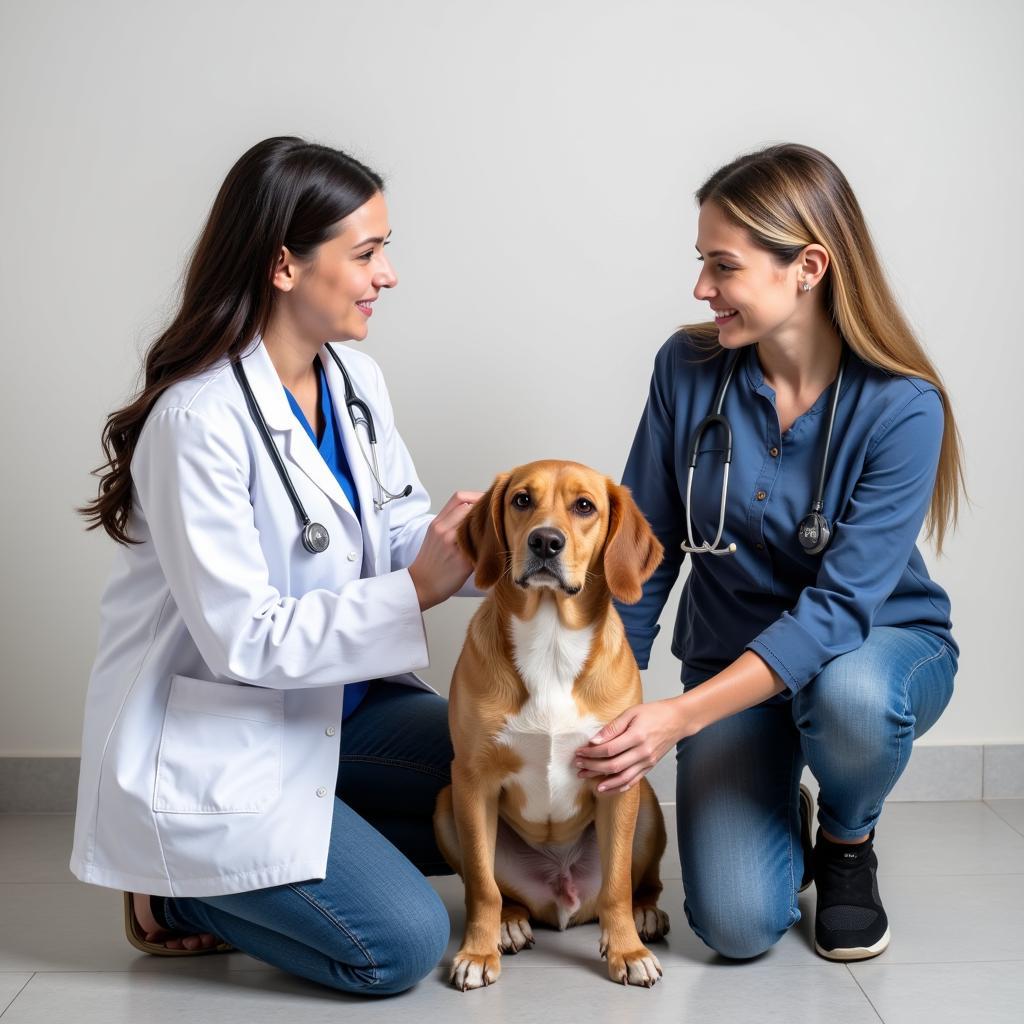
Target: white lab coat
{"points": [[213, 716]]}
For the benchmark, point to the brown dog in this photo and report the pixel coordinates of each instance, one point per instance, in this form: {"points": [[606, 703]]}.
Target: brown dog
{"points": [[545, 666]]}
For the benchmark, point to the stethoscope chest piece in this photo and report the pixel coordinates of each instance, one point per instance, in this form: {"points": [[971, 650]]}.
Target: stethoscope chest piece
{"points": [[814, 533], [315, 538]]}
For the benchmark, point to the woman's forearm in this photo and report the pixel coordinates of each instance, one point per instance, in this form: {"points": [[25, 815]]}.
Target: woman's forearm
{"points": [[746, 682]]}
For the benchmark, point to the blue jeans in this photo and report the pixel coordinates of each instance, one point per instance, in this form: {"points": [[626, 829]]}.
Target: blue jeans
{"points": [[737, 781], [373, 925]]}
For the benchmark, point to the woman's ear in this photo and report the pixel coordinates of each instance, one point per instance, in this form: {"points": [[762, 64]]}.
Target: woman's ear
{"points": [[814, 263], [481, 535], [282, 277], [631, 552]]}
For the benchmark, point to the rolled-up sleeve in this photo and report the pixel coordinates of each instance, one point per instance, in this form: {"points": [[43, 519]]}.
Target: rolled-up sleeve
{"points": [[871, 544], [650, 475]]}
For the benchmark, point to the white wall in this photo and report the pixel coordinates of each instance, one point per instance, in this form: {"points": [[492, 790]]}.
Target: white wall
{"points": [[541, 162]]}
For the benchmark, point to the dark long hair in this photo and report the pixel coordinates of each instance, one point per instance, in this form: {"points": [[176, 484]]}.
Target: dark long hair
{"points": [[282, 192]]}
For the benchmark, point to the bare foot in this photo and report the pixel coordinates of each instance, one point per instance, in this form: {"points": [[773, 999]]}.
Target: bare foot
{"points": [[155, 932]]}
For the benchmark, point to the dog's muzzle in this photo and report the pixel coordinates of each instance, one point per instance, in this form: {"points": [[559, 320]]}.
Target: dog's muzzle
{"points": [[544, 564]]}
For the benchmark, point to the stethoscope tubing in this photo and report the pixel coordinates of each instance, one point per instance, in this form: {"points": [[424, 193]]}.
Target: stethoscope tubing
{"points": [[314, 536], [275, 456], [353, 401], [717, 418]]}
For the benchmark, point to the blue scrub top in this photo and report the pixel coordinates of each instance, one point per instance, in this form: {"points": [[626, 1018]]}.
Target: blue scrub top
{"points": [[332, 449], [797, 611]]}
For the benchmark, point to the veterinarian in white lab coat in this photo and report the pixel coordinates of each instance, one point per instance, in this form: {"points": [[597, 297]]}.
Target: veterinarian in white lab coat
{"points": [[213, 722]]}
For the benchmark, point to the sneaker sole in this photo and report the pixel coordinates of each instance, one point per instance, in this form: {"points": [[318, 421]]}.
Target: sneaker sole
{"points": [[806, 819], [854, 952]]}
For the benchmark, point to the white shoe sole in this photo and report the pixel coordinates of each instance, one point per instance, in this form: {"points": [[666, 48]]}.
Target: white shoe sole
{"points": [[855, 952]]}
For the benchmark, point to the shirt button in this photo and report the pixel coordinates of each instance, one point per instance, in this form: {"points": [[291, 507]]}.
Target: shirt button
{"points": [[330, 730], [352, 556], [761, 495], [773, 452], [760, 547], [321, 791]]}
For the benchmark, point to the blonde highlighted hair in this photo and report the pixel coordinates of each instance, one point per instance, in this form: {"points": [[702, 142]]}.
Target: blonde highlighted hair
{"points": [[790, 196]]}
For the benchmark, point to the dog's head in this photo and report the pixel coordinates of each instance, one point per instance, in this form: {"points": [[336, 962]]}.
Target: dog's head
{"points": [[557, 524]]}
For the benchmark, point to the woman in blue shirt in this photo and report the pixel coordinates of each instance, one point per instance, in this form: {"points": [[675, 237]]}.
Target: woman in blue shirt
{"points": [[791, 655]]}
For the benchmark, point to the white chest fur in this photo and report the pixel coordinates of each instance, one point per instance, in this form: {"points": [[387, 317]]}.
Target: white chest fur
{"points": [[549, 727]]}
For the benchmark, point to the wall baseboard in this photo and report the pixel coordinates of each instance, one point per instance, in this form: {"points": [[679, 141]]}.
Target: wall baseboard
{"points": [[38, 785], [49, 785]]}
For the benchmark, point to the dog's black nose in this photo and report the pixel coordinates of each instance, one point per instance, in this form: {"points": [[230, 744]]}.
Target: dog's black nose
{"points": [[546, 542]]}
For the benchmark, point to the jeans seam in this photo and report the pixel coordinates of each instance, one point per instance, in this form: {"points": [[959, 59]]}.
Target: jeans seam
{"points": [[794, 906], [876, 810], [393, 762], [339, 925]]}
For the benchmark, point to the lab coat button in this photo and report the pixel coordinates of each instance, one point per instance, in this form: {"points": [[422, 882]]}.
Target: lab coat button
{"points": [[321, 791], [352, 556], [330, 730]]}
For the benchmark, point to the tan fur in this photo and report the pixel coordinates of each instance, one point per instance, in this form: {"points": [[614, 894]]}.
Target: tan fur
{"points": [[610, 552]]}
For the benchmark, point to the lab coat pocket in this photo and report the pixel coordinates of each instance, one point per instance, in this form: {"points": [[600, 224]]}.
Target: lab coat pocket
{"points": [[220, 750]]}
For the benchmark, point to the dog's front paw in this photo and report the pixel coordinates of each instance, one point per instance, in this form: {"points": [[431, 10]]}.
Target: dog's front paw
{"points": [[651, 923], [639, 967], [474, 970]]}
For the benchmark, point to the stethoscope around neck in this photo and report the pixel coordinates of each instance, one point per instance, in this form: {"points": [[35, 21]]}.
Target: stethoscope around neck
{"points": [[315, 537], [813, 531]]}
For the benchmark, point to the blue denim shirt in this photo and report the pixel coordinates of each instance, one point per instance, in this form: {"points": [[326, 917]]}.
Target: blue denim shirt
{"points": [[797, 611]]}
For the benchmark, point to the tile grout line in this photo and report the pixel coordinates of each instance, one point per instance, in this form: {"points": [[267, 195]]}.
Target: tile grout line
{"points": [[18, 993], [995, 811], [863, 993]]}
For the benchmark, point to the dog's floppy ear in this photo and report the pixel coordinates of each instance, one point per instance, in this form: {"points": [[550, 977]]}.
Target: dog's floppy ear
{"points": [[482, 534], [631, 552]]}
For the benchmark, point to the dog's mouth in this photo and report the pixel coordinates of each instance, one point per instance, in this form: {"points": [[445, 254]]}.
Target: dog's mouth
{"points": [[542, 572]]}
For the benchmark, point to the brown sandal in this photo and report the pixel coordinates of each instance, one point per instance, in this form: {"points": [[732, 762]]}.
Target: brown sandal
{"points": [[136, 935]]}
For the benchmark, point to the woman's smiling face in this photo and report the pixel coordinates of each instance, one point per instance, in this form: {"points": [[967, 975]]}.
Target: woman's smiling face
{"points": [[331, 295], [752, 296]]}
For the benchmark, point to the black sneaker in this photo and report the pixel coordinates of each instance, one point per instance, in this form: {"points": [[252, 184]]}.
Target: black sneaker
{"points": [[850, 923], [806, 821]]}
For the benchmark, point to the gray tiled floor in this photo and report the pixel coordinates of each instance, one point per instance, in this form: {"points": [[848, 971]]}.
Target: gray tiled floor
{"points": [[952, 875]]}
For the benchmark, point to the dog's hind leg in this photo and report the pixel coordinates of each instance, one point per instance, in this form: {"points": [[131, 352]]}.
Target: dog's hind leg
{"points": [[516, 933], [445, 833]]}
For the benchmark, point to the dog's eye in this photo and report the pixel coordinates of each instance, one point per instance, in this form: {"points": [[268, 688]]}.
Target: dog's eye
{"points": [[584, 506], [521, 500]]}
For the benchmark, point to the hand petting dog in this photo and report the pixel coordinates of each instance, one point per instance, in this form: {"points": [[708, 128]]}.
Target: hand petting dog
{"points": [[626, 749]]}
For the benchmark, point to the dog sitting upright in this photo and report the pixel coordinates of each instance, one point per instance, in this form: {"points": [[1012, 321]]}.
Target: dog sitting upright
{"points": [[545, 665]]}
